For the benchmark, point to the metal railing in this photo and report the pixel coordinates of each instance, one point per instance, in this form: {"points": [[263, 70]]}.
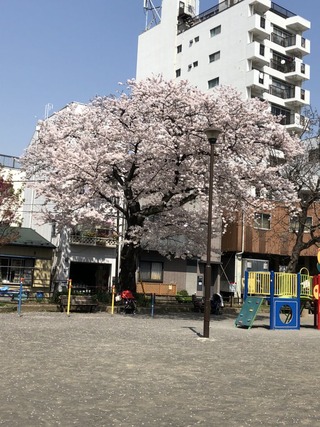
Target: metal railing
{"points": [[287, 67], [207, 14], [10, 161], [285, 284], [282, 92], [80, 239], [281, 11], [287, 41]]}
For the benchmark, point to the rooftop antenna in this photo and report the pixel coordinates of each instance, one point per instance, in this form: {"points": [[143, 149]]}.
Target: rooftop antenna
{"points": [[152, 10], [47, 110]]}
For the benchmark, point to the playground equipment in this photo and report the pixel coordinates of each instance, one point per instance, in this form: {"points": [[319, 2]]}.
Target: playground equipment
{"points": [[286, 293]]}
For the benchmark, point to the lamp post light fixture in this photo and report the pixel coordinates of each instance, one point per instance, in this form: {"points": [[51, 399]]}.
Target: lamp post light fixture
{"points": [[212, 135]]}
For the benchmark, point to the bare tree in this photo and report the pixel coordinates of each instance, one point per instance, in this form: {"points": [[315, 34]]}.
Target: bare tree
{"points": [[304, 174]]}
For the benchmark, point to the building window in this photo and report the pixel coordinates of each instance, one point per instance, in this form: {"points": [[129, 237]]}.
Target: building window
{"points": [[151, 271], [288, 116], [212, 83], [195, 64], [196, 39], [282, 63], [178, 72], [214, 56], [261, 78], [215, 31], [262, 221], [179, 48], [12, 270], [294, 224], [281, 37]]}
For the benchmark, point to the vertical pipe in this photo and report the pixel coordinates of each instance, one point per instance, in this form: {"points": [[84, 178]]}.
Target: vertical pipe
{"points": [[272, 308], [112, 299], [246, 285], [20, 297], [299, 285], [69, 296], [153, 297]]}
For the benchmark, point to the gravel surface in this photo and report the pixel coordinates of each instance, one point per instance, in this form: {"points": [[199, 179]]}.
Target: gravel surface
{"points": [[123, 370]]}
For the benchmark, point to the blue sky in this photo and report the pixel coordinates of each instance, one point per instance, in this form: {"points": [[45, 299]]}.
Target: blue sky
{"points": [[57, 51]]}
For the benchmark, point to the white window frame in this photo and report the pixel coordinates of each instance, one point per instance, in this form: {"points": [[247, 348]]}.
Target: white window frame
{"points": [[213, 82], [214, 56], [215, 31], [261, 219], [151, 271]]}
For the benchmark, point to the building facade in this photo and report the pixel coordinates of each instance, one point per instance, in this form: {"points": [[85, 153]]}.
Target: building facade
{"points": [[257, 47], [28, 256]]}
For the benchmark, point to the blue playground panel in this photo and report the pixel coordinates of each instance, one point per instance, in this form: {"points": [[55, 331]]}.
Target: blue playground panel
{"points": [[292, 321]]}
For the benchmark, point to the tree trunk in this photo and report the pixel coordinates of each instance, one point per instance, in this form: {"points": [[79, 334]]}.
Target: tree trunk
{"points": [[299, 244], [294, 259], [128, 267]]}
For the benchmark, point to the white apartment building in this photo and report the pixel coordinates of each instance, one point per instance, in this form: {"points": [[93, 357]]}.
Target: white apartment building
{"points": [[256, 46]]}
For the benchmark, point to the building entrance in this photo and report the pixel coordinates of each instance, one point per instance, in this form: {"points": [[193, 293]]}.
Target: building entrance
{"points": [[90, 277]]}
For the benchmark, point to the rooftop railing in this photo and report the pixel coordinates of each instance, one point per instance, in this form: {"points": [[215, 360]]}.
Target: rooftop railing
{"points": [[10, 161], [207, 14], [281, 11]]}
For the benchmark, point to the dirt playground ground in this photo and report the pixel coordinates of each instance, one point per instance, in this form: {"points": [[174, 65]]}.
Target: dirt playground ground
{"points": [[121, 370]]}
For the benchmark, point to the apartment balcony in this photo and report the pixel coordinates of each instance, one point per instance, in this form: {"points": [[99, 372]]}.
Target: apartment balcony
{"points": [[299, 73], [293, 21], [258, 53], [298, 97], [298, 24], [288, 97], [272, 97], [82, 239], [294, 70], [295, 123], [297, 46], [261, 6], [294, 45], [258, 81], [259, 26]]}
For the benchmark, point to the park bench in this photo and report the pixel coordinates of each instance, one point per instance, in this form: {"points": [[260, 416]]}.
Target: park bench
{"points": [[78, 303]]}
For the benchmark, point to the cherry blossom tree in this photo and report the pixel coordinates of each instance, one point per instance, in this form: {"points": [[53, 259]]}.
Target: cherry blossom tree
{"points": [[144, 153], [10, 201]]}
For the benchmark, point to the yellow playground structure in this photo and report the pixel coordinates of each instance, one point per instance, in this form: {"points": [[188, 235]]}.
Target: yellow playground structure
{"points": [[283, 291]]}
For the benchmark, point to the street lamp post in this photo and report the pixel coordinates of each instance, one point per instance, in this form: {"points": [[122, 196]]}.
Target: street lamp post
{"points": [[212, 135]]}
